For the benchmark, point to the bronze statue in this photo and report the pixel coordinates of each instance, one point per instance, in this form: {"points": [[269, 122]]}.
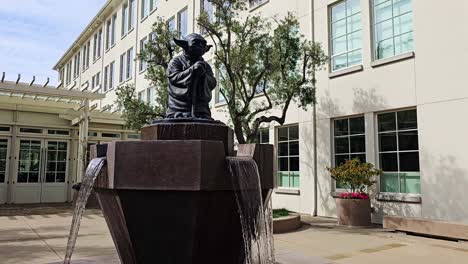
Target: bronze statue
{"points": [[191, 80]]}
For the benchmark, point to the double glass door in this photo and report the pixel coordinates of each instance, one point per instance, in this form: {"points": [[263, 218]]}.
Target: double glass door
{"points": [[41, 175]]}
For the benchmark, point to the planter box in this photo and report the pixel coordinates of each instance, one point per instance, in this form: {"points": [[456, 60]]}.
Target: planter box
{"points": [[286, 224], [353, 212]]}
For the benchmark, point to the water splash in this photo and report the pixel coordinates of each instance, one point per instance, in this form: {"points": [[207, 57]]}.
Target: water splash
{"points": [[256, 218], [93, 170]]}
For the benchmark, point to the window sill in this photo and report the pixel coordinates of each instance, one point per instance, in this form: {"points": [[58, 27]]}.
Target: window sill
{"points": [[96, 59], [113, 45], [218, 105], [252, 9], [399, 197], [152, 11], [142, 71], [123, 36], [287, 191], [143, 19], [130, 31], [345, 71], [393, 59]]}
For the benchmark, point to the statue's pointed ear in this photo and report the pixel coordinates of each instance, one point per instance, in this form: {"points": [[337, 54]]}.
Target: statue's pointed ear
{"points": [[208, 47], [181, 43]]}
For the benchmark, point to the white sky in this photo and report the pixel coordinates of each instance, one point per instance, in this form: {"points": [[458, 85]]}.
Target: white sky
{"points": [[34, 34]]}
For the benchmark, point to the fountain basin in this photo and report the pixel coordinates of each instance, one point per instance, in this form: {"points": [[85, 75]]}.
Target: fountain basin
{"points": [[172, 200]]}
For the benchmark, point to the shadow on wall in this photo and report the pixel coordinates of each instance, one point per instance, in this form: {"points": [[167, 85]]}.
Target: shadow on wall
{"points": [[368, 101], [443, 185], [363, 101]]}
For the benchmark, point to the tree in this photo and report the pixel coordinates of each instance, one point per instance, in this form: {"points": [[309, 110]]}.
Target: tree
{"points": [[263, 65], [158, 52], [253, 59]]}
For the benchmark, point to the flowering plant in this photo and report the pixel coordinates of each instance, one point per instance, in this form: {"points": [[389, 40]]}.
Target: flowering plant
{"points": [[356, 195], [357, 176]]}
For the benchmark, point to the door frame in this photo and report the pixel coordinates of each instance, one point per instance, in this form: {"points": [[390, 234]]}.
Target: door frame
{"points": [[5, 184], [64, 185]]}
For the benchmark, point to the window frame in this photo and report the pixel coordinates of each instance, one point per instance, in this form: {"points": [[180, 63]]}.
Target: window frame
{"points": [[373, 38], [349, 135], [378, 152], [179, 21], [331, 38], [277, 156]]}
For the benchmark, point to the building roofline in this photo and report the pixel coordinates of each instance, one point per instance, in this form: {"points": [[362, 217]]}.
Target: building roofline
{"points": [[96, 18]]}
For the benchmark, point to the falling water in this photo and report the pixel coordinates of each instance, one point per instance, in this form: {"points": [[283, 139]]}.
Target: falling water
{"points": [[93, 170], [255, 217]]}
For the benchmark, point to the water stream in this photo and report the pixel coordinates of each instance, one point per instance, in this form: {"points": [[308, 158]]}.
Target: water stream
{"points": [[93, 170], [255, 216]]}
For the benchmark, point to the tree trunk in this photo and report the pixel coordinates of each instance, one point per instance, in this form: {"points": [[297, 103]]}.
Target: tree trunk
{"points": [[239, 132]]}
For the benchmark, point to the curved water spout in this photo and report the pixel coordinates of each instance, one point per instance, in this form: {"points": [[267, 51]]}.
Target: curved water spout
{"points": [[94, 169]]}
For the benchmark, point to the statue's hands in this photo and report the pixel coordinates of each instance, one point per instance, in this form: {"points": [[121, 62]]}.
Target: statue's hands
{"points": [[199, 67]]}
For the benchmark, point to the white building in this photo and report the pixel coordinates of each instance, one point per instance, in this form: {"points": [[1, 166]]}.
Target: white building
{"points": [[393, 95]]}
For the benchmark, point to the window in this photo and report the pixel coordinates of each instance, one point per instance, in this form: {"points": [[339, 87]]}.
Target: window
{"points": [[346, 34], [393, 28], [96, 80], [207, 7], [153, 5], [97, 45], [143, 63], [109, 77], [134, 136], [110, 135], [61, 74], [141, 96], [171, 24], [106, 76], [131, 15], [151, 96], [223, 84], [122, 67], [86, 48], [113, 29], [255, 3], [145, 8], [288, 156], [182, 25], [264, 136], [58, 132], [124, 19], [4, 129], [30, 130], [69, 74], [110, 32], [399, 152], [349, 140], [76, 66], [3, 159], [129, 63]]}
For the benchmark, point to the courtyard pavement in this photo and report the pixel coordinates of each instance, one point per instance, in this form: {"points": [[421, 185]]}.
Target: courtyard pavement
{"points": [[26, 237]]}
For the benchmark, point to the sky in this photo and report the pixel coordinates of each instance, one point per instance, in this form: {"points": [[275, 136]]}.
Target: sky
{"points": [[34, 34]]}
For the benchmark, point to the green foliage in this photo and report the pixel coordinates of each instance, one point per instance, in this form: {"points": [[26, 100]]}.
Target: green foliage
{"points": [[277, 213], [255, 56], [355, 174], [135, 112], [158, 53]]}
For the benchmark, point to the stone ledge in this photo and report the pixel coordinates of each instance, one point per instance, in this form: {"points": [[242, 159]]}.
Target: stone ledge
{"points": [[396, 197], [287, 191], [286, 224], [427, 227], [345, 71], [393, 59]]}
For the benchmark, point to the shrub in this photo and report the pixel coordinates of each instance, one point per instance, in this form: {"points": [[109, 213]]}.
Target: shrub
{"points": [[357, 176]]}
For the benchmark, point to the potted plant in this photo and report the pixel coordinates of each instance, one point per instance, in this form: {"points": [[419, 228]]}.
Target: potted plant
{"points": [[353, 207]]}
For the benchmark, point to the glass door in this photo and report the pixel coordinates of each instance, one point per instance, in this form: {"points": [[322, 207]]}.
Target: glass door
{"points": [[54, 181], [27, 188], [4, 165]]}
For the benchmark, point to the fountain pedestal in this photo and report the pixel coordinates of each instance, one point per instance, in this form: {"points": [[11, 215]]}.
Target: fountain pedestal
{"points": [[170, 199]]}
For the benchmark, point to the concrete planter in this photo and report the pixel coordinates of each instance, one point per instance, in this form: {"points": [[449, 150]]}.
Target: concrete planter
{"points": [[353, 212], [286, 224]]}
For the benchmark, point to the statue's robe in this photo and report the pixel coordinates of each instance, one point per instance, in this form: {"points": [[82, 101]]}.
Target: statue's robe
{"points": [[182, 81]]}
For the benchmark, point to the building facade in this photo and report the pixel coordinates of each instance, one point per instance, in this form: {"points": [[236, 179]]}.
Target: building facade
{"points": [[393, 94]]}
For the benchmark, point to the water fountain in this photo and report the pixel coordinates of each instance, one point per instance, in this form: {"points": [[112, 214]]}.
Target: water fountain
{"points": [[181, 196]]}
